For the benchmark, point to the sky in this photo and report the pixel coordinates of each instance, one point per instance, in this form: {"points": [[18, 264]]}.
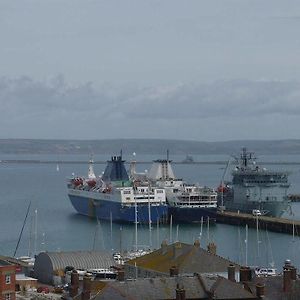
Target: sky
{"points": [[201, 70]]}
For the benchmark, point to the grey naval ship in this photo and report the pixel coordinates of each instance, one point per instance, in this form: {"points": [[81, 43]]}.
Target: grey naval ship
{"points": [[254, 188]]}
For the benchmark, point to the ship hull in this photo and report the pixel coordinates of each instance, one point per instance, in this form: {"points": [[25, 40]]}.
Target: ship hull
{"points": [[192, 214], [113, 210], [273, 209]]}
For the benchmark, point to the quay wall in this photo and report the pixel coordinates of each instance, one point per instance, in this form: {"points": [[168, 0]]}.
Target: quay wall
{"points": [[268, 223]]}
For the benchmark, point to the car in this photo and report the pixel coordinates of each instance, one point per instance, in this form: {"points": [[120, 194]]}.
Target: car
{"points": [[256, 212]]}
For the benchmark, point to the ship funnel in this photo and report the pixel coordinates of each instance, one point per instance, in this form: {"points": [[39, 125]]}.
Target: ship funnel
{"points": [[115, 170]]}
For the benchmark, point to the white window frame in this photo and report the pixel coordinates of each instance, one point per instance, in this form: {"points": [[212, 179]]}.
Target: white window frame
{"points": [[7, 296], [7, 279]]}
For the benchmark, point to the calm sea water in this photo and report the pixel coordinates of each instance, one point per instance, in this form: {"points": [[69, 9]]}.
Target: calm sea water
{"points": [[60, 228]]}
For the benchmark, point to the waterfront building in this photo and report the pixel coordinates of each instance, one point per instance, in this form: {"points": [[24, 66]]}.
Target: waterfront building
{"points": [[7, 280], [51, 265]]}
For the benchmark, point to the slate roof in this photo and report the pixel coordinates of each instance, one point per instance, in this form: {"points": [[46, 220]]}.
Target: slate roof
{"points": [[196, 287], [188, 258], [274, 288]]}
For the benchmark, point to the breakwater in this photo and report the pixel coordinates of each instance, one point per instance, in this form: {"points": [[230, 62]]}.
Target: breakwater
{"points": [[263, 222], [216, 162]]}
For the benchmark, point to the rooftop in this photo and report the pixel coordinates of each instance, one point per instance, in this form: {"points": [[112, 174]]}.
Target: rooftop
{"points": [[188, 258]]}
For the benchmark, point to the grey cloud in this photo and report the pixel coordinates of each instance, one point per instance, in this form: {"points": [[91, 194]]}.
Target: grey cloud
{"points": [[219, 99], [23, 97]]}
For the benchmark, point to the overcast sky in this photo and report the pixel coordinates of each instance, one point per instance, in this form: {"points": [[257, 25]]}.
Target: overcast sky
{"points": [[196, 70]]}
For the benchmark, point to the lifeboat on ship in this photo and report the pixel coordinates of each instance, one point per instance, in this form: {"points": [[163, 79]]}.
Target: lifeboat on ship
{"points": [[77, 181], [222, 188], [91, 183]]}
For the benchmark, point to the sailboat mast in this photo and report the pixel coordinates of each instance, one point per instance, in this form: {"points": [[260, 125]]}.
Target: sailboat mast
{"points": [[35, 232], [135, 223], [257, 238], [246, 246], [157, 232], [121, 250], [201, 228], [28, 208], [111, 234], [149, 215], [30, 237], [208, 238], [171, 224]]}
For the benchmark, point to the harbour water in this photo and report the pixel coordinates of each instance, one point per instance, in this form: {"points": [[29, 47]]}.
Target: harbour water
{"points": [[59, 228]]}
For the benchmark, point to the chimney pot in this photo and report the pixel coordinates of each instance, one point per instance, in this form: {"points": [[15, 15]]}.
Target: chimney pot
{"points": [[293, 273], [73, 291], [197, 243], [177, 250], [245, 274], [180, 292], [121, 275], [260, 290], [86, 288], [231, 272], [287, 280], [164, 247], [212, 248], [174, 271]]}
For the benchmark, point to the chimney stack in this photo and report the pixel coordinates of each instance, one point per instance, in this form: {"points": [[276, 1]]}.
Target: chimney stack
{"points": [[164, 247], [121, 275], [197, 243], [73, 291], [287, 280], [293, 273], [245, 274], [177, 250], [260, 290], [212, 248], [174, 271], [180, 292], [288, 266], [86, 288], [231, 272]]}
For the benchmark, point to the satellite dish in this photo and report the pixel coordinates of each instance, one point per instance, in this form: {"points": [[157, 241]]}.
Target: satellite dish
{"points": [[134, 154]]}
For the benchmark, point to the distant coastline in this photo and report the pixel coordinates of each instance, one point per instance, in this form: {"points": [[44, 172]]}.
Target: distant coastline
{"points": [[146, 146]]}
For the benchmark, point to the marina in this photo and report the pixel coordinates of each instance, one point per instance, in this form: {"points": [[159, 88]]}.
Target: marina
{"points": [[45, 187]]}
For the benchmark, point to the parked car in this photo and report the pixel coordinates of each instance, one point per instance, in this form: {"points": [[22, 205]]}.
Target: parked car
{"points": [[256, 212]]}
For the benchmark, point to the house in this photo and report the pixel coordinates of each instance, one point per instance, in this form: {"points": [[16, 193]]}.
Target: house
{"points": [[7, 280], [181, 257], [197, 286]]}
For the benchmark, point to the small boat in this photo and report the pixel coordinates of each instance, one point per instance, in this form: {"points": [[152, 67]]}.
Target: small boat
{"points": [[188, 159], [103, 273], [264, 272]]}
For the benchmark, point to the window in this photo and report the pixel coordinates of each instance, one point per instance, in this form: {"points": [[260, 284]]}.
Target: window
{"points": [[7, 297], [7, 279]]}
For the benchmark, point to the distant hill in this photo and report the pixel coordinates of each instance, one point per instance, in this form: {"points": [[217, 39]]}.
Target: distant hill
{"points": [[145, 146]]}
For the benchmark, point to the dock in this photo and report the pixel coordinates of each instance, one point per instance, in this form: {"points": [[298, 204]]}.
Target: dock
{"points": [[266, 223], [294, 197]]}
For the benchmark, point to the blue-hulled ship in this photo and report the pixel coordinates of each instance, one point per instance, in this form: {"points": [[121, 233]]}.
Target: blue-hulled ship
{"points": [[254, 188], [113, 196]]}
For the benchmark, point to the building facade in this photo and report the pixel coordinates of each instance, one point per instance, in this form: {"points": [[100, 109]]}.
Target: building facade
{"points": [[7, 280]]}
